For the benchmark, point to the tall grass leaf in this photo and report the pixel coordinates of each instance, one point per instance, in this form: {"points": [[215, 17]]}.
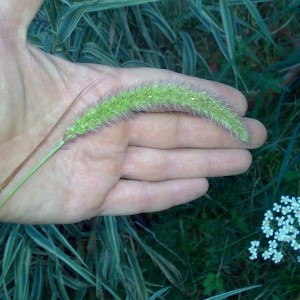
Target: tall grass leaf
{"points": [[160, 293], [138, 275], [74, 230], [188, 54], [103, 264], [48, 43], [159, 22], [136, 64], [259, 20], [168, 268], [238, 2], [110, 290], [5, 230], [97, 53], [142, 26], [198, 3], [155, 59], [52, 279], [76, 45], [113, 238], [287, 156], [294, 6], [276, 128], [81, 294], [12, 247], [212, 27], [62, 240], [227, 20], [98, 32], [37, 285], [48, 245], [61, 282], [204, 18], [266, 81], [128, 34], [218, 37], [226, 16], [74, 283], [113, 4], [75, 12], [202, 61], [69, 21], [291, 61], [22, 268], [232, 293]]}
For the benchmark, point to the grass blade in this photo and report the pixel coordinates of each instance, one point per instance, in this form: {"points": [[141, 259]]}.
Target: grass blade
{"points": [[227, 20], [113, 238], [231, 293], [97, 54], [37, 282], [285, 163], [10, 251], [159, 21], [48, 245], [188, 54], [22, 271], [62, 240], [137, 274], [259, 20], [160, 293], [75, 12]]}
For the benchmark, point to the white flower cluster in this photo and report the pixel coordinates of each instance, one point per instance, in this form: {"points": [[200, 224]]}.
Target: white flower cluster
{"points": [[281, 225]]}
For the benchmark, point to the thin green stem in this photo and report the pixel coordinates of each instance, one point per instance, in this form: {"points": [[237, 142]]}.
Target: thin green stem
{"points": [[31, 172]]}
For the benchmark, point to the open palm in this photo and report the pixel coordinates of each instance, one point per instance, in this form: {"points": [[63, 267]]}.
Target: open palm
{"points": [[152, 162]]}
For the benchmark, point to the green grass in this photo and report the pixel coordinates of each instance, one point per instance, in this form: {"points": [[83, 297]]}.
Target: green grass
{"points": [[251, 45]]}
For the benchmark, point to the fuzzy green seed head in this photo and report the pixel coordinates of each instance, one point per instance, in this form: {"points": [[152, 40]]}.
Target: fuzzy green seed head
{"points": [[163, 98]]}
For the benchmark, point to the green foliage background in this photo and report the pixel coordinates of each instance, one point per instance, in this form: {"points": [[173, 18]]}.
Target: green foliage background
{"points": [[197, 250]]}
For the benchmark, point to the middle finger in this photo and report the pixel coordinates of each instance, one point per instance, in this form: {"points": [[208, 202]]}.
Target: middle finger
{"points": [[157, 165], [177, 130]]}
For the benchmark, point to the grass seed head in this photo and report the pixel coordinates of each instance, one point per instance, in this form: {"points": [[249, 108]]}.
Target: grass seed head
{"points": [[159, 97]]}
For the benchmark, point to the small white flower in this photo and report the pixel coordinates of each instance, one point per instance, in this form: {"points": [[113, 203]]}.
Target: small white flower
{"points": [[273, 244], [266, 223], [266, 254], [279, 236], [295, 203], [277, 257], [290, 220], [285, 200], [269, 215], [295, 245], [286, 209], [280, 221], [255, 243], [268, 232], [277, 207]]}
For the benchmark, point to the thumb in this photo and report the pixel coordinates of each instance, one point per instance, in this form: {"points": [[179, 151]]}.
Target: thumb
{"points": [[16, 15]]}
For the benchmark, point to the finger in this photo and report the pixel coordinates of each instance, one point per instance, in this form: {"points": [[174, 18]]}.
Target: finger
{"points": [[175, 130], [158, 165], [133, 197], [234, 98]]}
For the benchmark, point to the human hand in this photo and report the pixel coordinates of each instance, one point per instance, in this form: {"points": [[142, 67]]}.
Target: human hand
{"points": [[149, 163]]}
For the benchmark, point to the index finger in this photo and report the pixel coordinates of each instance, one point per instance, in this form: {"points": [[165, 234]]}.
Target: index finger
{"points": [[229, 95]]}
